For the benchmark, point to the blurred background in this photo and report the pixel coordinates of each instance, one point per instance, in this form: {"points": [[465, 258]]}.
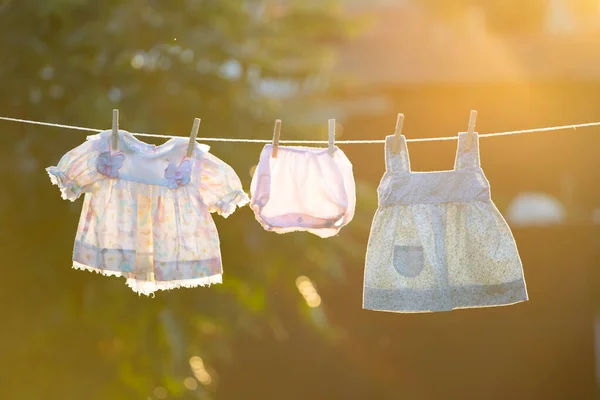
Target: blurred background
{"points": [[287, 322]]}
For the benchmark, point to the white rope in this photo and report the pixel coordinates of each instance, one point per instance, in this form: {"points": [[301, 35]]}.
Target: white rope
{"points": [[26, 121], [232, 140]]}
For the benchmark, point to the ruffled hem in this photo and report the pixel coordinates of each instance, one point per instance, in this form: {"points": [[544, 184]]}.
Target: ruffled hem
{"points": [[149, 287], [68, 190], [105, 272], [227, 205]]}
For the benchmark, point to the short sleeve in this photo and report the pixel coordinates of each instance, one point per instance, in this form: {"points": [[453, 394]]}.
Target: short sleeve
{"points": [[220, 187], [76, 172]]}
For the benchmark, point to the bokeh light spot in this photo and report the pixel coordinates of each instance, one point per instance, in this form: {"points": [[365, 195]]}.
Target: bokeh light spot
{"points": [[308, 291], [115, 94], [56, 91], [187, 56], [200, 371], [190, 383], [137, 61], [231, 70], [47, 72], [160, 392], [196, 362], [35, 95]]}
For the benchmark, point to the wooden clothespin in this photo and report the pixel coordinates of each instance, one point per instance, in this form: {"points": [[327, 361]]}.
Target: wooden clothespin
{"points": [[397, 134], [115, 130], [191, 144], [276, 134], [331, 136], [471, 130]]}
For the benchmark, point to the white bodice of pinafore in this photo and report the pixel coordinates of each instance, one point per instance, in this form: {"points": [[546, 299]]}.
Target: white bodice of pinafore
{"points": [[401, 186]]}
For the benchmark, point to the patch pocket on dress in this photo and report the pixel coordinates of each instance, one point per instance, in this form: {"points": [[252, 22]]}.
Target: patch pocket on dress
{"points": [[408, 261]]}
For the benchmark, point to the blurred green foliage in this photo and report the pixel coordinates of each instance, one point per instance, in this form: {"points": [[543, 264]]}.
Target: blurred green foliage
{"points": [[235, 64]]}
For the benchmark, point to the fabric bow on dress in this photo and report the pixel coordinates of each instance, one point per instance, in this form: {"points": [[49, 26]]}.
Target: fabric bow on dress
{"points": [[109, 164], [178, 176]]}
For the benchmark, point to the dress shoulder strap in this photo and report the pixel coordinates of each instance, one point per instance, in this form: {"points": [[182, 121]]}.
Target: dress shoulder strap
{"points": [[467, 158], [396, 162]]}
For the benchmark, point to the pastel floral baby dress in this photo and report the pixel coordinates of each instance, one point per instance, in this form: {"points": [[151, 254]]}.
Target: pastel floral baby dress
{"points": [[146, 210], [437, 241]]}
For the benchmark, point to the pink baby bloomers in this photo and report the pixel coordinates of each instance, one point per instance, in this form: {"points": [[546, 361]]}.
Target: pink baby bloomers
{"points": [[303, 189]]}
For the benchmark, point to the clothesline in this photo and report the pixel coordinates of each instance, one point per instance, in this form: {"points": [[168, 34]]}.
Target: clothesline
{"points": [[377, 141]]}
